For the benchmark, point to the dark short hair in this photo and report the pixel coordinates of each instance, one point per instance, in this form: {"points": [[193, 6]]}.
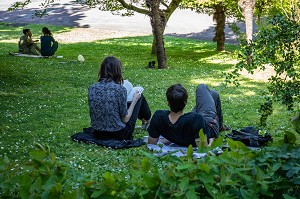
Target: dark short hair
{"points": [[25, 30], [177, 97], [111, 70]]}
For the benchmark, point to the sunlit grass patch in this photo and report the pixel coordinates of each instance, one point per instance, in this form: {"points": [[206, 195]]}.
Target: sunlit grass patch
{"points": [[45, 100]]}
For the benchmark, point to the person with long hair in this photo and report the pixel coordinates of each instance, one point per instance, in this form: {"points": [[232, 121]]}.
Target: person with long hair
{"points": [[48, 44], [111, 116]]}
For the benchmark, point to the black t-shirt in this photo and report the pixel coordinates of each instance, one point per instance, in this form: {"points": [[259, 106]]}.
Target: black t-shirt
{"points": [[183, 132]]}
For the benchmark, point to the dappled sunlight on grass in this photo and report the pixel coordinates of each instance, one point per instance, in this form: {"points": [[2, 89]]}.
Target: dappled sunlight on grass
{"points": [[209, 81], [217, 60], [14, 41], [45, 100]]}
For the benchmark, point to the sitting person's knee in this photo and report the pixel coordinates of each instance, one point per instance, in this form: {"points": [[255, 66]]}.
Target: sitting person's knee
{"points": [[202, 86]]}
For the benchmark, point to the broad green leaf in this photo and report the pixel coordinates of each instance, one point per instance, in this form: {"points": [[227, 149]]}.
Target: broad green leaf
{"points": [[44, 170], [246, 194], [204, 167], [190, 152], [184, 184], [213, 191], [98, 193], [150, 156], [205, 178], [202, 142], [217, 142], [202, 135], [79, 193], [25, 182], [191, 194], [50, 183], [151, 181], [145, 164], [238, 146], [41, 147], [36, 186], [285, 196], [289, 137], [38, 155], [109, 178], [184, 166]]}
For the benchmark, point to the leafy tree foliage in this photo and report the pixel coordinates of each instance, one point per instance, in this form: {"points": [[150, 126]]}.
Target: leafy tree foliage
{"points": [[277, 44]]}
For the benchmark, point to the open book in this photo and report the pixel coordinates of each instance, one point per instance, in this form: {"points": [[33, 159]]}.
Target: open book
{"points": [[131, 90]]}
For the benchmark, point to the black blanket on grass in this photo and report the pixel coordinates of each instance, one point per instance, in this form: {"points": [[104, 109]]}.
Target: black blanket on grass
{"points": [[87, 136]]}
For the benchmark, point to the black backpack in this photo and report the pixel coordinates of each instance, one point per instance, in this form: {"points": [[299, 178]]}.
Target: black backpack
{"points": [[250, 137]]}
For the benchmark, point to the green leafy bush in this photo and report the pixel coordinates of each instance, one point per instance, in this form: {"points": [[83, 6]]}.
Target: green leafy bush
{"points": [[278, 44], [237, 173]]}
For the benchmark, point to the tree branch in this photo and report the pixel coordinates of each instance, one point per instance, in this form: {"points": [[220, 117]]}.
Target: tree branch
{"points": [[164, 4], [134, 8], [172, 7]]}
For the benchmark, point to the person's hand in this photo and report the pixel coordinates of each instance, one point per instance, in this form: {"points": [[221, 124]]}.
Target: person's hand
{"points": [[210, 141], [136, 95]]}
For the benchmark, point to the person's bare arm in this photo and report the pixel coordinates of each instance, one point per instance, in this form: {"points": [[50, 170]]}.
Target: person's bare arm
{"points": [[30, 40], [136, 97], [207, 142], [164, 141], [210, 140], [152, 140]]}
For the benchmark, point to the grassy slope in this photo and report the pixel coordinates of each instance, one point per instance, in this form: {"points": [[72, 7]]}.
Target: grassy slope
{"points": [[45, 100]]}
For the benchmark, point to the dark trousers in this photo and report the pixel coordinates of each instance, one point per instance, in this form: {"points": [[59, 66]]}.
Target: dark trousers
{"points": [[51, 51], [208, 104], [141, 111]]}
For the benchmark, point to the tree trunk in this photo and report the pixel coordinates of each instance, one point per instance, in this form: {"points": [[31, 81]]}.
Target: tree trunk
{"points": [[248, 7], [220, 18], [158, 22]]}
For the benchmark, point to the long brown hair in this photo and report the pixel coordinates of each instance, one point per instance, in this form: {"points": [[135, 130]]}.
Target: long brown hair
{"points": [[111, 70], [46, 31]]}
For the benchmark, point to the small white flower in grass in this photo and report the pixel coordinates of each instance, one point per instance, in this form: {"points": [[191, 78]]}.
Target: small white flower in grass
{"points": [[80, 58]]}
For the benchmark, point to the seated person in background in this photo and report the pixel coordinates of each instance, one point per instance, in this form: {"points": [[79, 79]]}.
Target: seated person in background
{"points": [[48, 44], [109, 113], [27, 45], [183, 129]]}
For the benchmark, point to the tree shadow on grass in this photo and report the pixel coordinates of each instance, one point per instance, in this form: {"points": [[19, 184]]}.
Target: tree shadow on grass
{"points": [[208, 34], [62, 15]]}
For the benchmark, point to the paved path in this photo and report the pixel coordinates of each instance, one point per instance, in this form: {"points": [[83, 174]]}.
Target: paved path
{"points": [[183, 23]]}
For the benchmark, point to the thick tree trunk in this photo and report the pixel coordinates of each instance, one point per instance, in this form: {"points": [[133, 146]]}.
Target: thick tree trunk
{"points": [[220, 18], [158, 22], [248, 8]]}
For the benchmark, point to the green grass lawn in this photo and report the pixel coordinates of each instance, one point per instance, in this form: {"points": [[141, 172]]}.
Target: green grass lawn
{"points": [[45, 100]]}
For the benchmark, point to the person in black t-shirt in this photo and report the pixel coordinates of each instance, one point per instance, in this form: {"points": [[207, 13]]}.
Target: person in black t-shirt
{"points": [[183, 129]]}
